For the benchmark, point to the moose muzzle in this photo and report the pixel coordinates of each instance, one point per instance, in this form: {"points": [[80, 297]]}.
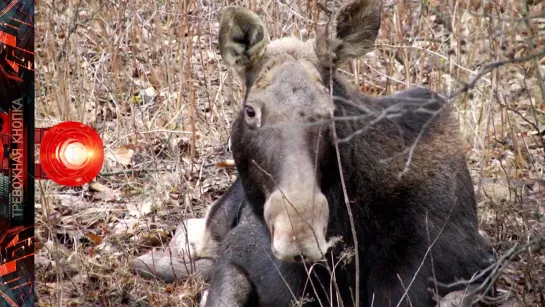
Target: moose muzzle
{"points": [[297, 221]]}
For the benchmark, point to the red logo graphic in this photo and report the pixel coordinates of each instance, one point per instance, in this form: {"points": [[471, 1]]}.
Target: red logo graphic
{"points": [[71, 153]]}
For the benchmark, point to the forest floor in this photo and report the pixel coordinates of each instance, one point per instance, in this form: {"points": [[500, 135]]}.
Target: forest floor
{"points": [[147, 75]]}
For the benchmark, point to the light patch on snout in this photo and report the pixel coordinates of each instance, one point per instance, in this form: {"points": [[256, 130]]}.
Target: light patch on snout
{"points": [[297, 222], [193, 240]]}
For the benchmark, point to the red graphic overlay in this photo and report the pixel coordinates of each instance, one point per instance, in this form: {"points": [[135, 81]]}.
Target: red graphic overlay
{"points": [[17, 160], [4, 130], [17, 50], [16, 254], [71, 153]]}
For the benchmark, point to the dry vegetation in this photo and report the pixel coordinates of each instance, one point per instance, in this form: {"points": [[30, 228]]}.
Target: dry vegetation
{"points": [[148, 77]]}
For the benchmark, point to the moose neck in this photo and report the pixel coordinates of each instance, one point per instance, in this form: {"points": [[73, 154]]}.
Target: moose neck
{"points": [[369, 172]]}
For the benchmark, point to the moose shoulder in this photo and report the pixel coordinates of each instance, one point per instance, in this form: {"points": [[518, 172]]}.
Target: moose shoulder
{"points": [[303, 137]]}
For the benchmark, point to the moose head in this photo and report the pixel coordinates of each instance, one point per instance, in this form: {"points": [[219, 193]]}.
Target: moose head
{"points": [[281, 139]]}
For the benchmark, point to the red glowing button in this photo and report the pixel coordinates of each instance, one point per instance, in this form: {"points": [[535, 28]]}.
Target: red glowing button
{"points": [[1, 150], [71, 153]]}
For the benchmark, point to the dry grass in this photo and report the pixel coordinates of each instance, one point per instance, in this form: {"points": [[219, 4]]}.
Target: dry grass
{"points": [[148, 77]]}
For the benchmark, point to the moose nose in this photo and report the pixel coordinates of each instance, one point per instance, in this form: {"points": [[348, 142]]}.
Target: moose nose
{"points": [[300, 258], [297, 226], [289, 258]]}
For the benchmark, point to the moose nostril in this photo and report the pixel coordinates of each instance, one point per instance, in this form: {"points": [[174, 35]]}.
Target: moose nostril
{"points": [[299, 258], [273, 250]]}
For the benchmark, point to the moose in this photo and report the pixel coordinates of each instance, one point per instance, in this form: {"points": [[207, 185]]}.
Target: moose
{"points": [[341, 199]]}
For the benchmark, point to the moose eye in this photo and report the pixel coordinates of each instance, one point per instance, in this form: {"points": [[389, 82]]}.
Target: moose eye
{"points": [[250, 111]]}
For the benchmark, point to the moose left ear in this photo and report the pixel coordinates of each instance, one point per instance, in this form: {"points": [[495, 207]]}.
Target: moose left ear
{"points": [[242, 38], [356, 28]]}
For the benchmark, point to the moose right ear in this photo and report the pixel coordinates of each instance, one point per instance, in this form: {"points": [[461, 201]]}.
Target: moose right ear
{"points": [[353, 34], [243, 38]]}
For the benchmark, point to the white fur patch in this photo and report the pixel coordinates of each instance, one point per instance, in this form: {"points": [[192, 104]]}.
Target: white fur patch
{"points": [[192, 240], [203, 298]]}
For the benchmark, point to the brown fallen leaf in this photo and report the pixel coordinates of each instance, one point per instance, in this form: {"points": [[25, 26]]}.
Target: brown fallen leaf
{"points": [[121, 155], [37, 245], [94, 238], [105, 229], [154, 237], [229, 163], [102, 192], [174, 196], [90, 251], [141, 209], [98, 187]]}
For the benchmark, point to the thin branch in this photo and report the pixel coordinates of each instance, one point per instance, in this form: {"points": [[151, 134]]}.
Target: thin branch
{"points": [[491, 66]]}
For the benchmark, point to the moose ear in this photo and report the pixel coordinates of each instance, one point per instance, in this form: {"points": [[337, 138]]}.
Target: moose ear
{"points": [[354, 32], [242, 38]]}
